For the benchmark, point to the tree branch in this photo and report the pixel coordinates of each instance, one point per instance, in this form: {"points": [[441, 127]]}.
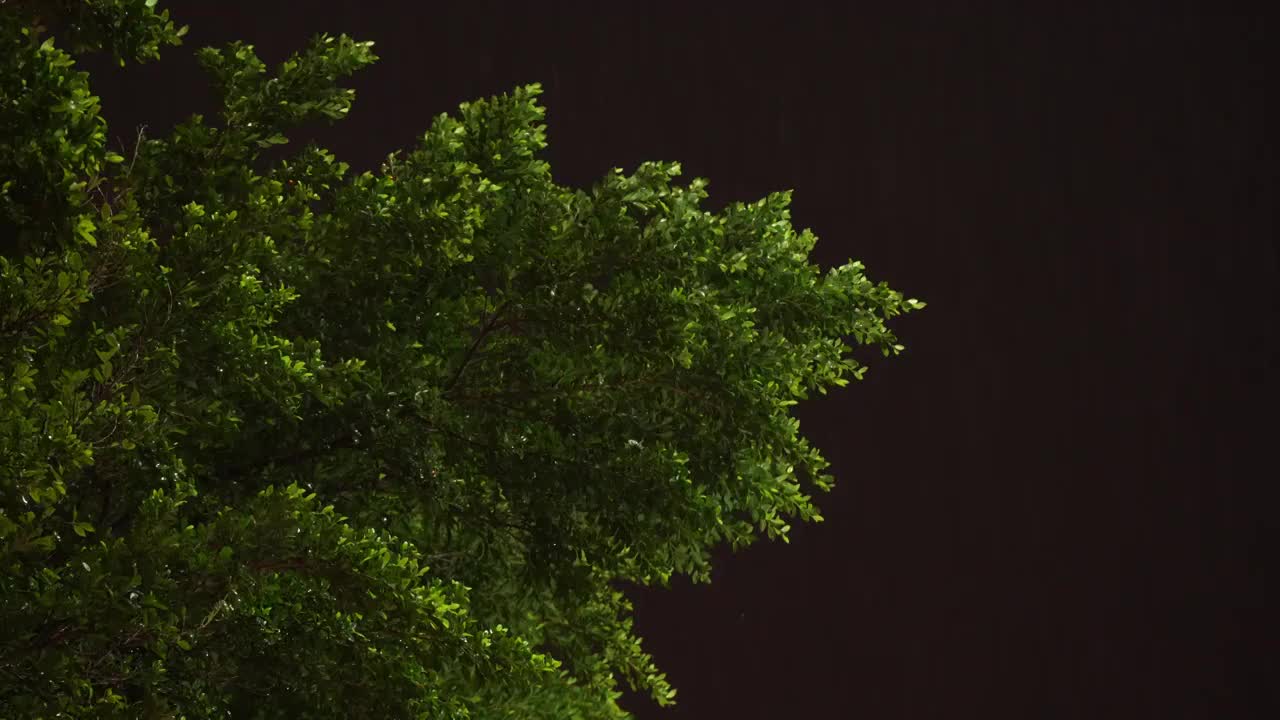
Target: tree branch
{"points": [[485, 331]]}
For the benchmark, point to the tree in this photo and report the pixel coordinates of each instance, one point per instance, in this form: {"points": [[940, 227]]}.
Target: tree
{"points": [[281, 440]]}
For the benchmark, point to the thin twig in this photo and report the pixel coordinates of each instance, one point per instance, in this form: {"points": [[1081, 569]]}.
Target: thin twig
{"points": [[475, 345]]}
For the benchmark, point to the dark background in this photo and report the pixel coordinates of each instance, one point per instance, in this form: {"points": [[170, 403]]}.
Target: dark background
{"points": [[1053, 504]]}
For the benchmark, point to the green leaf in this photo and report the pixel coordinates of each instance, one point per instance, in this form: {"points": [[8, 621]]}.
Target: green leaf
{"points": [[85, 229]]}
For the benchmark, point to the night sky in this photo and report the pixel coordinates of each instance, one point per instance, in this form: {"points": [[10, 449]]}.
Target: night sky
{"points": [[1053, 504]]}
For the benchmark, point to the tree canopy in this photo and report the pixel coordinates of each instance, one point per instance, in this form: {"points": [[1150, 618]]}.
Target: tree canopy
{"points": [[278, 439]]}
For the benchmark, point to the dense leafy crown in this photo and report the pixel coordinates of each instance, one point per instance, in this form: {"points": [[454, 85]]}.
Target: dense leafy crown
{"points": [[277, 440]]}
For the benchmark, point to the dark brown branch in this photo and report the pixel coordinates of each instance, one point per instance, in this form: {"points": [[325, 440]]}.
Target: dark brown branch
{"points": [[485, 331]]}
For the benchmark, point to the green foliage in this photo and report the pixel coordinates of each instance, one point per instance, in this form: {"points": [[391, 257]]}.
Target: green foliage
{"points": [[277, 440]]}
